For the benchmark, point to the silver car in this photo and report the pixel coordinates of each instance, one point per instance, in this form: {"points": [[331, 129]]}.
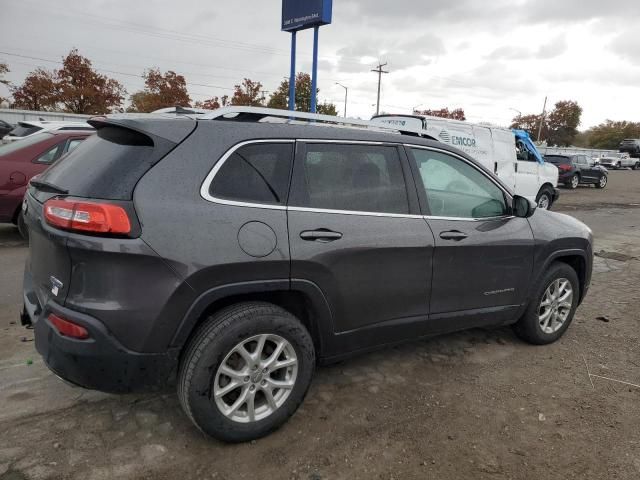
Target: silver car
{"points": [[619, 160]]}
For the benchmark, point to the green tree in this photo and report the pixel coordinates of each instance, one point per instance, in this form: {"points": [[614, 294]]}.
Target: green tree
{"points": [[161, 91], [280, 98], [609, 134]]}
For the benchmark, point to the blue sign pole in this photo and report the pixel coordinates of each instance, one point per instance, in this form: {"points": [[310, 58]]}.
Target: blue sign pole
{"points": [[300, 15], [292, 74], [314, 70]]}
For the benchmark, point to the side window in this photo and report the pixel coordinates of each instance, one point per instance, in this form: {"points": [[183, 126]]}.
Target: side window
{"points": [[49, 156], [582, 160], [456, 189], [360, 178], [73, 143], [256, 173]]}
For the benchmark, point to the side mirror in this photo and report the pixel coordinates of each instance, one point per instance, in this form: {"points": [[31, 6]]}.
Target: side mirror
{"points": [[522, 207]]}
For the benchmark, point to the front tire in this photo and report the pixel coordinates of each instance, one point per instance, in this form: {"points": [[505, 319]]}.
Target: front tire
{"points": [[552, 308], [545, 198], [602, 182], [246, 371], [636, 166]]}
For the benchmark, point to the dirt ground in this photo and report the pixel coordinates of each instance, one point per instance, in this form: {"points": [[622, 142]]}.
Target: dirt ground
{"points": [[478, 404]]}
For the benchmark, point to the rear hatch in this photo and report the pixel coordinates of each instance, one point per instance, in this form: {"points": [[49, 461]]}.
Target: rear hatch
{"points": [[106, 166]]}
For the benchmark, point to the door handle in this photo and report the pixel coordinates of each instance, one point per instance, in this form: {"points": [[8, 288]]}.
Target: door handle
{"points": [[320, 235], [454, 235]]}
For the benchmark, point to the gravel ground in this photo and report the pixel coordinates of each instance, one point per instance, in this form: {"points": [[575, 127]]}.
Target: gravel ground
{"points": [[477, 404]]}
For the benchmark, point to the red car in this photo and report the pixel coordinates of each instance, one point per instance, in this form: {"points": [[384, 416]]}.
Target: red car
{"points": [[24, 159]]}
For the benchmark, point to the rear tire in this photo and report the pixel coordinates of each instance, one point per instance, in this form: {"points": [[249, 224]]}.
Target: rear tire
{"points": [[530, 327], [574, 182], [636, 166], [220, 356]]}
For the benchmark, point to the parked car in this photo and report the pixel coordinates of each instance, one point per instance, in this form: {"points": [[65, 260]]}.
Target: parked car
{"points": [[25, 129], [20, 161], [5, 128], [496, 148], [631, 146], [574, 170], [235, 254], [619, 160]]}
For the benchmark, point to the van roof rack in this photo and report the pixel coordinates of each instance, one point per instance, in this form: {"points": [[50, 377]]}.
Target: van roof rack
{"points": [[260, 114]]}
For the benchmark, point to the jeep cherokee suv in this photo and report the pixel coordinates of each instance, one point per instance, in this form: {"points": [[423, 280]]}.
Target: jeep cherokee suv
{"points": [[231, 255]]}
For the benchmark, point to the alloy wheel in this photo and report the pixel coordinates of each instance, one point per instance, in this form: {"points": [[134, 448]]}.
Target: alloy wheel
{"points": [[255, 378], [575, 181], [544, 201], [603, 181], [555, 306]]}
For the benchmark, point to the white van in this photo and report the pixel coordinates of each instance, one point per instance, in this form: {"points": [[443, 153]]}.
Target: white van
{"points": [[495, 147]]}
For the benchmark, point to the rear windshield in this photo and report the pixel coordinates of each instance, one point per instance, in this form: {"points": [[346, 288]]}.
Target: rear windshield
{"points": [[106, 165], [19, 144], [557, 159], [24, 130]]}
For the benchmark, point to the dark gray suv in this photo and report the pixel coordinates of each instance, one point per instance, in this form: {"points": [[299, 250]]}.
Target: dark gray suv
{"points": [[229, 255]]}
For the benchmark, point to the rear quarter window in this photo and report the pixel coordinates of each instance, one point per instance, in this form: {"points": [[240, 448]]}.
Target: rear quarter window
{"points": [[257, 173]]}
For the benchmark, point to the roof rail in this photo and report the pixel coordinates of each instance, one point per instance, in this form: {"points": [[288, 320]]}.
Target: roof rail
{"points": [[257, 114]]}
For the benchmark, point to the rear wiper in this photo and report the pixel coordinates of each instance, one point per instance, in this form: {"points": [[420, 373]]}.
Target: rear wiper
{"points": [[48, 186]]}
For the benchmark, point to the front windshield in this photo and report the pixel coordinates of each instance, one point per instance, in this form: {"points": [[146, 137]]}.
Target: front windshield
{"points": [[18, 144]]}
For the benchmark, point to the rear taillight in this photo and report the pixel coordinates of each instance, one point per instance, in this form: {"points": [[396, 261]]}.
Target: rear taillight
{"points": [[564, 168], [87, 216], [67, 328]]}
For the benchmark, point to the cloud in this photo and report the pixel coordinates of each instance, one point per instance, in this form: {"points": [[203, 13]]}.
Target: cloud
{"points": [[554, 48], [509, 52], [627, 46], [391, 12], [573, 11]]}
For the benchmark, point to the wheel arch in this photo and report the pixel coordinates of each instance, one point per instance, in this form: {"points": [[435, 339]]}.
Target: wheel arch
{"points": [[576, 259], [546, 185], [16, 214], [301, 298]]}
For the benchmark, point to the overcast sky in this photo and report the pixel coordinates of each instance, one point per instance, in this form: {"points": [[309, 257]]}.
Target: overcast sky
{"points": [[486, 57]]}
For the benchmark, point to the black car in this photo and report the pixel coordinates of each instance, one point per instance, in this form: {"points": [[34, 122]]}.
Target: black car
{"points": [[230, 255], [574, 170], [5, 128], [630, 146]]}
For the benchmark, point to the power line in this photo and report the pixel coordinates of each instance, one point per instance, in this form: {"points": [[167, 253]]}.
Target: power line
{"points": [[58, 62], [171, 34]]}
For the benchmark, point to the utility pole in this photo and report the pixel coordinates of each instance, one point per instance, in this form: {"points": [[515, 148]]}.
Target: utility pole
{"points": [[544, 110], [379, 71], [346, 92]]}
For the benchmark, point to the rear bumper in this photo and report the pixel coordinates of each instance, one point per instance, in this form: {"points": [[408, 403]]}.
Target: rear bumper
{"points": [[565, 177], [9, 205], [100, 362]]}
